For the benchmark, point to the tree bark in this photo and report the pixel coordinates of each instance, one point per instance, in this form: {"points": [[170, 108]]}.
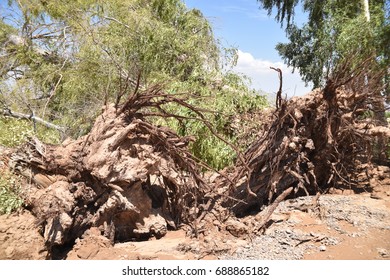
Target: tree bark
{"points": [[366, 9]]}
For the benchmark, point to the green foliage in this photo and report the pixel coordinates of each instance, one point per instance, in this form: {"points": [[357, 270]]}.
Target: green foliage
{"points": [[284, 9], [16, 132], [10, 197], [77, 55], [220, 105], [337, 34]]}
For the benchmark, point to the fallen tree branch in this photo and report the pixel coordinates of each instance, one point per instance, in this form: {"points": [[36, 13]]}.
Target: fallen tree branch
{"points": [[17, 115], [265, 218]]}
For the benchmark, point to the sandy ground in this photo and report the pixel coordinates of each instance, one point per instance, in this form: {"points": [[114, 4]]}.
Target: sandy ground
{"points": [[353, 227]]}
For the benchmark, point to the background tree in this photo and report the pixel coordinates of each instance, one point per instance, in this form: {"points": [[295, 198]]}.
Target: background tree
{"points": [[336, 32]]}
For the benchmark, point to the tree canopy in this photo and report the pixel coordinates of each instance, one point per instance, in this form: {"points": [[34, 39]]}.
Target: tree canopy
{"points": [[79, 53], [62, 61], [337, 35]]}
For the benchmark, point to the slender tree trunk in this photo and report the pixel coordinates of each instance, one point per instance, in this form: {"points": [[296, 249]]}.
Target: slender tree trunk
{"points": [[366, 9]]}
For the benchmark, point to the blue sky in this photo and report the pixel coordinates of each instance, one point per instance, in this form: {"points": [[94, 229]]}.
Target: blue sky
{"points": [[241, 24]]}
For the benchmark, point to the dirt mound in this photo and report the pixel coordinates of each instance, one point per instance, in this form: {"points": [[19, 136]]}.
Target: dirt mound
{"points": [[340, 226], [345, 227]]}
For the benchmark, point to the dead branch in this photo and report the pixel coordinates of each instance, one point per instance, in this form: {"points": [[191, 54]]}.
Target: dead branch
{"points": [[279, 92], [271, 208], [17, 115]]}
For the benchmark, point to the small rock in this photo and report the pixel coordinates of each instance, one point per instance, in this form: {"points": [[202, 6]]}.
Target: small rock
{"points": [[310, 144], [292, 146], [236, 228], [322, 248], [88, 252], [348, 192], [239, 251], [383, 252], [375, 196]]}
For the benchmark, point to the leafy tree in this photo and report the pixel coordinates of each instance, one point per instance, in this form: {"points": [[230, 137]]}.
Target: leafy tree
{"points": [[66, 47], [337, 33], [63, 60]]}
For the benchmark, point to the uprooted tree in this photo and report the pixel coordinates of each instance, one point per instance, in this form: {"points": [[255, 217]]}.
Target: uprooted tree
{"points": [[313, 143], [128, 177]]}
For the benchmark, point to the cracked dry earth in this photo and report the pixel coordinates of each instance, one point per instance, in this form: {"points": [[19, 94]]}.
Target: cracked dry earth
{"points": [[342, 226]]}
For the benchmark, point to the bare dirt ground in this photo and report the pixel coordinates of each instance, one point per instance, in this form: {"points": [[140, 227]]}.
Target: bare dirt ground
{"points": [[342, 226]]}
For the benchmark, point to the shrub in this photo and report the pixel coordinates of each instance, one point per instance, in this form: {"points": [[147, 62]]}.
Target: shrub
{"points": [[14, 132], [10, 192]]}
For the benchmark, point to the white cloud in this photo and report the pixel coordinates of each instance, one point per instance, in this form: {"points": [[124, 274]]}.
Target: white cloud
{"points": [[267, 79], [253, 13]]}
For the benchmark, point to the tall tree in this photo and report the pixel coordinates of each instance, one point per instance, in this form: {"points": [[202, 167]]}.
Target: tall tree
{"points": [[337, 32], [75, 54]]}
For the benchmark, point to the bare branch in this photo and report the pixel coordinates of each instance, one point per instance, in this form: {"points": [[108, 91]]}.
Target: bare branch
{"points": [[17, 115], [279, 93]]}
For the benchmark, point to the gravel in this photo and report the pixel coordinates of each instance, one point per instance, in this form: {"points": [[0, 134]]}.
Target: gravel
{"points": [[284, 242]]}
